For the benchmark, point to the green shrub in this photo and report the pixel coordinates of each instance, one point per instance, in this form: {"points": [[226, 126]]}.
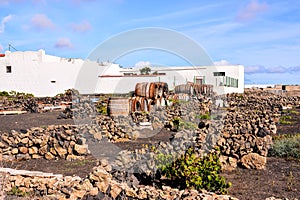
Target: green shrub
{"points": [[192, 171], [179, 124], [284, 120], [17, 192], [285, 136], [4, 94], [176, 123], [294, 112], [187, 125], [174, 101], [286, 146], [205, 116], [102, 108], [286, 117], [291, 111]]}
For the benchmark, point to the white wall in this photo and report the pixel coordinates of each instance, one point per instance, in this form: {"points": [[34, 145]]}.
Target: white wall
{"points": [[32, 72], [177, 75], [233, 71]]}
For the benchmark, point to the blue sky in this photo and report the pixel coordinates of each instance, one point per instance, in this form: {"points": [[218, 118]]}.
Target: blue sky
{"points": [[264, 36]]}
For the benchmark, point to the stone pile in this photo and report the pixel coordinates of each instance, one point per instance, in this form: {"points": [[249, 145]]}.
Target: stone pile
{"points": [[57, 141], [144, 161], [242, 131], [83, 107], [99, 184], [248, 126], [111, 128], [33, 104], [21, 104], [187, 112]]}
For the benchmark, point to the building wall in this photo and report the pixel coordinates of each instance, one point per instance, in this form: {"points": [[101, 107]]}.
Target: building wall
{"points": [[37, 73], [232, 72], [176, 76], [46, 75]]}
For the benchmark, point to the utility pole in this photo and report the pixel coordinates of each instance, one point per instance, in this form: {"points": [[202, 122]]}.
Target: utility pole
{"points": [[10, 46]]}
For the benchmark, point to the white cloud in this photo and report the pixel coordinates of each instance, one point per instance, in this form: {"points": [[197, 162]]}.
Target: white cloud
{"points": [[277, 70], [251, 10], [63, 43], [176, 14], [294, 69], [222, 63], [4, 22], [255, 69], [142, 64], [1, 48], [271, 70], [82, 27], [41, 21]]}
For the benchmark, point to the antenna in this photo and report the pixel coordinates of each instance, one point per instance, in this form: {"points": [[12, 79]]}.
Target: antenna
{"points": [[10, 46]]}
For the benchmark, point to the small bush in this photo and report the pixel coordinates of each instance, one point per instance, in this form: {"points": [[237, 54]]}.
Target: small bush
{"points": [[286, 146], [187, 125], [102, 108], [179, 124], [193, 171], [284, 120], [294, 112], [286, 117], [4, 94], [176, 123], [205, 116], [17, 192]]}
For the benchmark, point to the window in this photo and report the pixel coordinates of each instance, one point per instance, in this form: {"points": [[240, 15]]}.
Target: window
{"points": [[199, 80], [8, 69], [231, 82], [219, 73]]}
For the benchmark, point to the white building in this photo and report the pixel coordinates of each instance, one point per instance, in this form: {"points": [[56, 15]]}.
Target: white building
{"points": [[46, 75]]}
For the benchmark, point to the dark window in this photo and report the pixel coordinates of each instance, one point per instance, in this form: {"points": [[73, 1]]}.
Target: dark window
{"points": [[53, 81], [219, 73], [8, 69]]}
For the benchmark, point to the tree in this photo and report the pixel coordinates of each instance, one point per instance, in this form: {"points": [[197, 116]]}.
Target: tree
{"points": [[145, 70]]}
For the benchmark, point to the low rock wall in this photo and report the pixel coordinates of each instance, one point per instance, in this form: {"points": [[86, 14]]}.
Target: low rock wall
{"points": [[57, 141], [99, 184]]}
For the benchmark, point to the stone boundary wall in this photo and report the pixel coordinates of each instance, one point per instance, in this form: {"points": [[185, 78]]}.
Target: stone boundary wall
{"points": [[99, 184], [244, 140], [249, 126], [55, 141]]}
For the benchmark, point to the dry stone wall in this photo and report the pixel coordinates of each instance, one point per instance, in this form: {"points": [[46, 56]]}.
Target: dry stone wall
{"points": [[23, 102], [100, 184], [249, 124], [242, 131], [57, 141]]}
